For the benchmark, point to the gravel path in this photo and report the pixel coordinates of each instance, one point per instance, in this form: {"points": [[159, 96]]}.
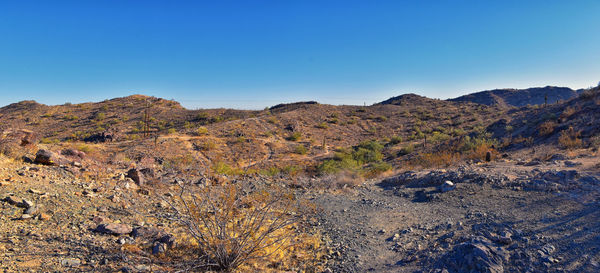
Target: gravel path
{"points": [[393, 228]]}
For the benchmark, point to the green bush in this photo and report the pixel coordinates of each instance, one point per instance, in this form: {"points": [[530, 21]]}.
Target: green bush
{"points": [[300, 149], [395, 140], [353, 158], [322, 125], [202, 131], [406, 150], [295, 136]]}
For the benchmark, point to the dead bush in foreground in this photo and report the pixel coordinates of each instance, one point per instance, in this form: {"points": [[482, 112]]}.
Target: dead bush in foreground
{"points": [[234, 229]]}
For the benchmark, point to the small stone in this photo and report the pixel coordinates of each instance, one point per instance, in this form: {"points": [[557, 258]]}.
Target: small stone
{"points": [[159, 248], [382, 231], [447, 186], [70, 262], [13, 200], [25, 204], [99, 219], [35, 191], [44, 217], [113, 198], [114, 229], [25, 216], [31, 210]]}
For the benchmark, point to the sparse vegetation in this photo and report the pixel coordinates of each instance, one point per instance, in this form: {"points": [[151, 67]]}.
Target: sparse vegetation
{"points": [[232, 229], [546, 128], [569, 139], [295, 136]]}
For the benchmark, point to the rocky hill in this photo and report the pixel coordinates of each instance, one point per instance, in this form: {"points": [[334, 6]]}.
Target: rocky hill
{"points": [[408, 184], [520, 97]]}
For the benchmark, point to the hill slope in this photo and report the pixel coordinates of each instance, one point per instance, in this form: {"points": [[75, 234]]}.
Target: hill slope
{"points": [[520, 97]]}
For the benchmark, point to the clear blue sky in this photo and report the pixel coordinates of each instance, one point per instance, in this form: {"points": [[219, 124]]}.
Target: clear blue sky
{"points": [[252, 54]]}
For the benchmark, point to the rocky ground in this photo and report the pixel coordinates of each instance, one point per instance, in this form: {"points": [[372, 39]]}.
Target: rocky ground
{"points": [[53, 219], [509, 216]]}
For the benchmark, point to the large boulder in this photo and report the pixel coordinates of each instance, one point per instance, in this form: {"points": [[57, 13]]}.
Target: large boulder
{"points": [[109, 135], [46, 157]]}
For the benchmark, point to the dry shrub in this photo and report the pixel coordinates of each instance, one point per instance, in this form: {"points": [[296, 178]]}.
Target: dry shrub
{"points": [[346, 179], [569, 111], [546, 128], [481, 151], [233, 229], [527, 141], [569, 139], [436, 160]]}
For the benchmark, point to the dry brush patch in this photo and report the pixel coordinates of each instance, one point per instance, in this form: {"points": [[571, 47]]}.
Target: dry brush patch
{"points": [[231, 228]]}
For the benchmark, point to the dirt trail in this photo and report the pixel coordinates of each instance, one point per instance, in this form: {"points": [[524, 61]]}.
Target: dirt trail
{"points": [[363, 222]]}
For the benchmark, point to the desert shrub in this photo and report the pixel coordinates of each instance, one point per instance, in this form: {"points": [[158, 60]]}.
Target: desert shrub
{"points": [[322, 125], [201, 131], [363, 155], [406, 150], [187, 125], [469, 144], [224, 168], [352, 159], [47, 140], [334, 120], [395, 140], [171, 131], [371, 145], [437, 160], [272, 120], [528, 141], [234, 230], [381, 118], [546, 128], [568, 112], [295, 136], [84, 148], [71, 117], [438, 137], [569, 139], [99, 116], [202, 116], [300, 149], [205, 146], [333, 166], [377, 168]]}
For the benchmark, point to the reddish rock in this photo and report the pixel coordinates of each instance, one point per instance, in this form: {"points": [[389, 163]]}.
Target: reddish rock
{"points": [[114, 229], [73, 152], [136, 175], [45, 157]]}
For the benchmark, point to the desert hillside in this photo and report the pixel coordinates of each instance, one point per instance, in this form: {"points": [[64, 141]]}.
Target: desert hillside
{"points": [[521, 97], [141, 184]]}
